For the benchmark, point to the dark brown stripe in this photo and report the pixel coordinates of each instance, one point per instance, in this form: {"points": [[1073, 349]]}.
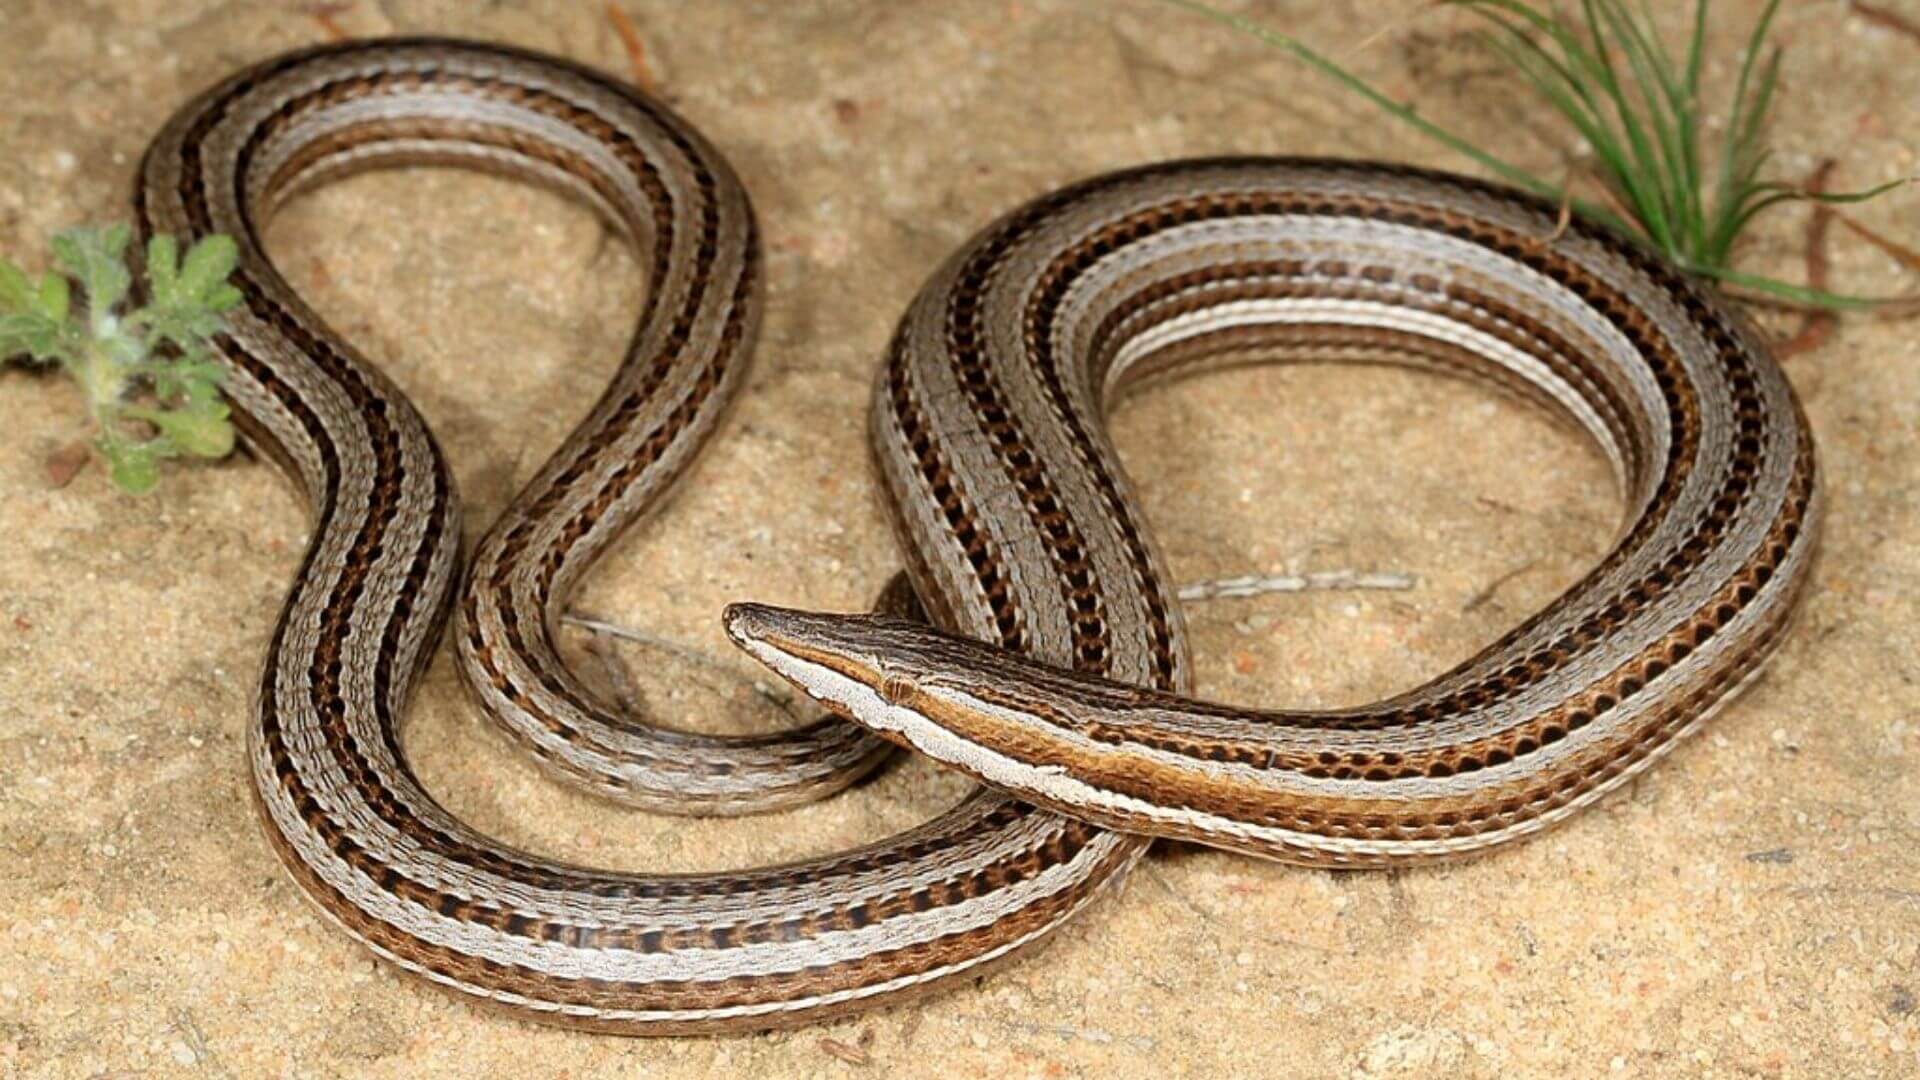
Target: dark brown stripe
{"points": [[330, 704]]}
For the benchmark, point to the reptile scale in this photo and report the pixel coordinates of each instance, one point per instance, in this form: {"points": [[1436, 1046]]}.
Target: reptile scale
{"points": [[992, 396]]}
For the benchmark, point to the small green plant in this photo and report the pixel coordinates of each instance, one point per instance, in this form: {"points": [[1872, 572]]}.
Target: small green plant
{"points": [[149, 374], [1637, 104]]}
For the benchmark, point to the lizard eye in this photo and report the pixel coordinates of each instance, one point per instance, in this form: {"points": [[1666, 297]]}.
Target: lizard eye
{"points": [[897, 689]]}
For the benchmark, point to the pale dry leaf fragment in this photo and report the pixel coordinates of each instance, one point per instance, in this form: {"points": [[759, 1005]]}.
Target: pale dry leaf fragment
{"points": [[848, 1052]]}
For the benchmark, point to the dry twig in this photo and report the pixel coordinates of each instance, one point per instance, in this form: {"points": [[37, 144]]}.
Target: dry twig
{"points": [[636, 49]]}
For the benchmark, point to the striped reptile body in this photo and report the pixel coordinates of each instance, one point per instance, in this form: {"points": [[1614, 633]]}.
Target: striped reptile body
{"points": [[994, 396], [376, 853], [1020, 533]]}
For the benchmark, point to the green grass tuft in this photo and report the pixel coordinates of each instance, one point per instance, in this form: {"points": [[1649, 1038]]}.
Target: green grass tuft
{"points": [[1636, 102]]}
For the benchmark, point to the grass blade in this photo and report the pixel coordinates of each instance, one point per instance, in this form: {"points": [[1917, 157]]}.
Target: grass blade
{"points": [[1406, 113], [1635, 100], [1738, 143], [1661, 102], [1797, 294]]}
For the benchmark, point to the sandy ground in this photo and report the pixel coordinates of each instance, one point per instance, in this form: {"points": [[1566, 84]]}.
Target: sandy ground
{"points": [[1750, 907]]}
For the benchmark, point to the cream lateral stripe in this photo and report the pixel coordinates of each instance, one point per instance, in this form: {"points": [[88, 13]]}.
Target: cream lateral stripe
{"points": [[1057, 784], [1020, 534], [1718, 471], [1277, 313], [636, 953]]}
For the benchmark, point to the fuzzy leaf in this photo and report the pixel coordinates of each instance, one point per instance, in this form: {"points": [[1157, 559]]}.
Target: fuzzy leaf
{"points": [[15, 293], [195, 374], [208, 265], [163, 268], [202, 431], [195, 379], [17, 328], [95, 258], [135, 466], [31, 333], [223, 297], [187, 326], [54, 299], [189, 297], [124, 351]]}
